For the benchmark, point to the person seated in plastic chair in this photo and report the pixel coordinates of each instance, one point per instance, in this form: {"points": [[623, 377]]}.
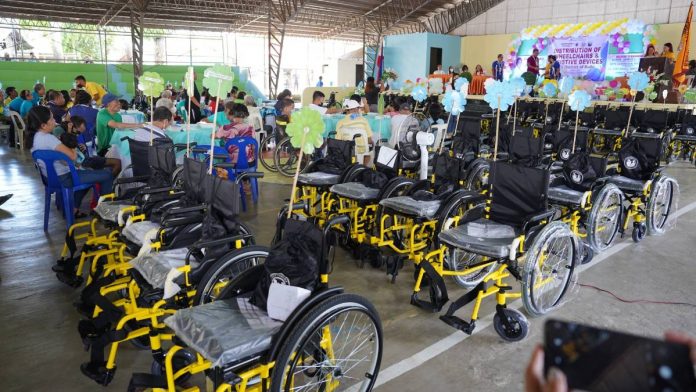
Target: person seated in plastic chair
{"points": [[354, 120], [40, 126], [237, 128], [400, 124], [71, 130]]}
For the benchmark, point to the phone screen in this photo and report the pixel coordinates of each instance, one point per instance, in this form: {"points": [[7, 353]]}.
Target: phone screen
{"points": [[600, 360]]}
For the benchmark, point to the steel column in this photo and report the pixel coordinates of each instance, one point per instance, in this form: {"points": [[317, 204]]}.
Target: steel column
{"points": [[136, 17]]}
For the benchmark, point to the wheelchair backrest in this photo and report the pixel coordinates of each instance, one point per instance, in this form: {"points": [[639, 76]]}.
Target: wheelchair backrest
{"points": [[447, 169], [139, 152], [526, 146], [341, 149], [517, 192], [640, 157], [563, 141], [194, 180], [655, 119], [468, 136], [615, 119], [223, 199], [162, 160]]}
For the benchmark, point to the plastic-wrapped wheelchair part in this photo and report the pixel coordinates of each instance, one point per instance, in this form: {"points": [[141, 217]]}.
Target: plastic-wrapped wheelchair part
{"points": [[604, 220], [662, 205], [482, 237], [627, 184], [548, 274], [355, 190], [108, 210], [318, 178], [155, 267], [224, 331], [563, 194], [409, 206], [136, 231]]}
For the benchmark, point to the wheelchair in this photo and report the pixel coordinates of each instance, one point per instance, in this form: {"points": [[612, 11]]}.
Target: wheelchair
{"points": [[315, 180], [683, 142], [331, 340], [512, 235], [155, 169], [651, 197], [127, 305], [606, 137]]}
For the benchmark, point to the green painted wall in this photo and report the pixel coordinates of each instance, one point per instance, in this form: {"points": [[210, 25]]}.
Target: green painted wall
{"points": [[60, 76]]}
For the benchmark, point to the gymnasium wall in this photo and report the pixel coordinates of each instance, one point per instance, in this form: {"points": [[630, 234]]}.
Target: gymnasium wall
{"points": [[409, 54]]}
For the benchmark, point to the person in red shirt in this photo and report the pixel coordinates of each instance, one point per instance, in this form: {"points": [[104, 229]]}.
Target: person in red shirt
{"points": [[533, 62]]}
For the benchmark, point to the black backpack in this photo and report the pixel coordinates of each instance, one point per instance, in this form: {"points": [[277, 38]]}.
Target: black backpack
{"points": [[292, 261], [579, 172]]}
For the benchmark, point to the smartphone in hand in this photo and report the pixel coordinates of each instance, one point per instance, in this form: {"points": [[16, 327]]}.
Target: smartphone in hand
{"points": [[600, 360]]}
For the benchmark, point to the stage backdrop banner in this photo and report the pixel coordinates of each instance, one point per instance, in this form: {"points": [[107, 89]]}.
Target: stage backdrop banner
{"points": [[581, 57]]}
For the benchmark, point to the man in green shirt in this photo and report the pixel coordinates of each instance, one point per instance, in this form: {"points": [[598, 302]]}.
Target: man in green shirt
{"points": [[108, 119]]}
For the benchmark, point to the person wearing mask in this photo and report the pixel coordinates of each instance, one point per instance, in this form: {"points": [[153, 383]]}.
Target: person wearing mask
{"points": [[498, 67], [285, 94], [27, 103], [83, 107], [94, 89], [650, 52], [40, 126], [161, 120], [353, 119], [108, 119], [38, 94], [10, 94], [533, 62], [371, 93], [237, 127], [318, 104], [668, 52], [56, 103]]}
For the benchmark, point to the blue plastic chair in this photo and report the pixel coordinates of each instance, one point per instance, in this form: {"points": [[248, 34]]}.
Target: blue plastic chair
{"points": [[242, 165], [64, 195]]}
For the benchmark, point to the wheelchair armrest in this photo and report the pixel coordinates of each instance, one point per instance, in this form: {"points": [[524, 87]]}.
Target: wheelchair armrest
{"points": [[531, 220], [181, 221], [225, 165], [201, 244], [200, 150], [182, 146], [183, 210], [220, 156], [146, 190], [245, 175]]}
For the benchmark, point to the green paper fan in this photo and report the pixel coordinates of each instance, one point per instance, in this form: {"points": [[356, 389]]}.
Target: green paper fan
{"points": [[690, 96], [151, 84], [306, 121], [218, 75]]}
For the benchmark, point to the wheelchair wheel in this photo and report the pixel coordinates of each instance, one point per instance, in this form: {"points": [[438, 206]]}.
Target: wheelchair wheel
{"points": [[227, 267], [337, 345], [182, 358], [478, 178], [286, 158], [604, 220], [549, 265], [267, 153], [512, 326], [661, 203]]}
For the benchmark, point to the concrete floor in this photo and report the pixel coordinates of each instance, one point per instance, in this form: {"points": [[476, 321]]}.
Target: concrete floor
{"points": [[40, 348]]}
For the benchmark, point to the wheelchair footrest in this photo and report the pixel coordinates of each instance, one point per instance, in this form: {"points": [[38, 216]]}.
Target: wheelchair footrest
{"points": [[70, 279], [426, 305], [145, 380], [98, 372], [456, 322]]}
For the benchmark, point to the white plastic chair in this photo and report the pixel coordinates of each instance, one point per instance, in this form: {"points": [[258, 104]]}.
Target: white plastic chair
{"points": [[19, 128], [255, 121]]}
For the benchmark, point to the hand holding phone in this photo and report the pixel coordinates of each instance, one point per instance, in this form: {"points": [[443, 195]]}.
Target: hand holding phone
{"points": [[600, 360]]}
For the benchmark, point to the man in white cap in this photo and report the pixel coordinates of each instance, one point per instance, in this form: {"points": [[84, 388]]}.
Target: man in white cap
{"points": [[354, 120]]}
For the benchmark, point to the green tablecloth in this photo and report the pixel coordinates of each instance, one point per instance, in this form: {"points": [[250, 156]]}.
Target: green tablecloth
{"points": [[200, 133], [380, 125]]}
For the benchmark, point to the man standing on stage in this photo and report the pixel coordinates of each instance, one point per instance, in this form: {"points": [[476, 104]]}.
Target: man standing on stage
{"points": [[498, 67], [533, 62]]}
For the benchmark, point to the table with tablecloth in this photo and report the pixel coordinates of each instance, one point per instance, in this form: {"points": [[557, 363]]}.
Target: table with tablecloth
{"points": [[200, 133], [476, 86], [380, 125], [133, 116]]}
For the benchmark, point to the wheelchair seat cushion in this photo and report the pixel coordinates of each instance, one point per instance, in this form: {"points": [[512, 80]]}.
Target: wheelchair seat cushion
{"points": [[563, 194], [355, 190], [318, 178], [627, 184], [108, 210], [155, 267], [137, 231], [409, 206], [225, 331], [482, 237]]}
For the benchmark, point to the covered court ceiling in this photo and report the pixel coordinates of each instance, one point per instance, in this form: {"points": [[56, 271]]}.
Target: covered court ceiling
{"points": [[323, 19]]}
